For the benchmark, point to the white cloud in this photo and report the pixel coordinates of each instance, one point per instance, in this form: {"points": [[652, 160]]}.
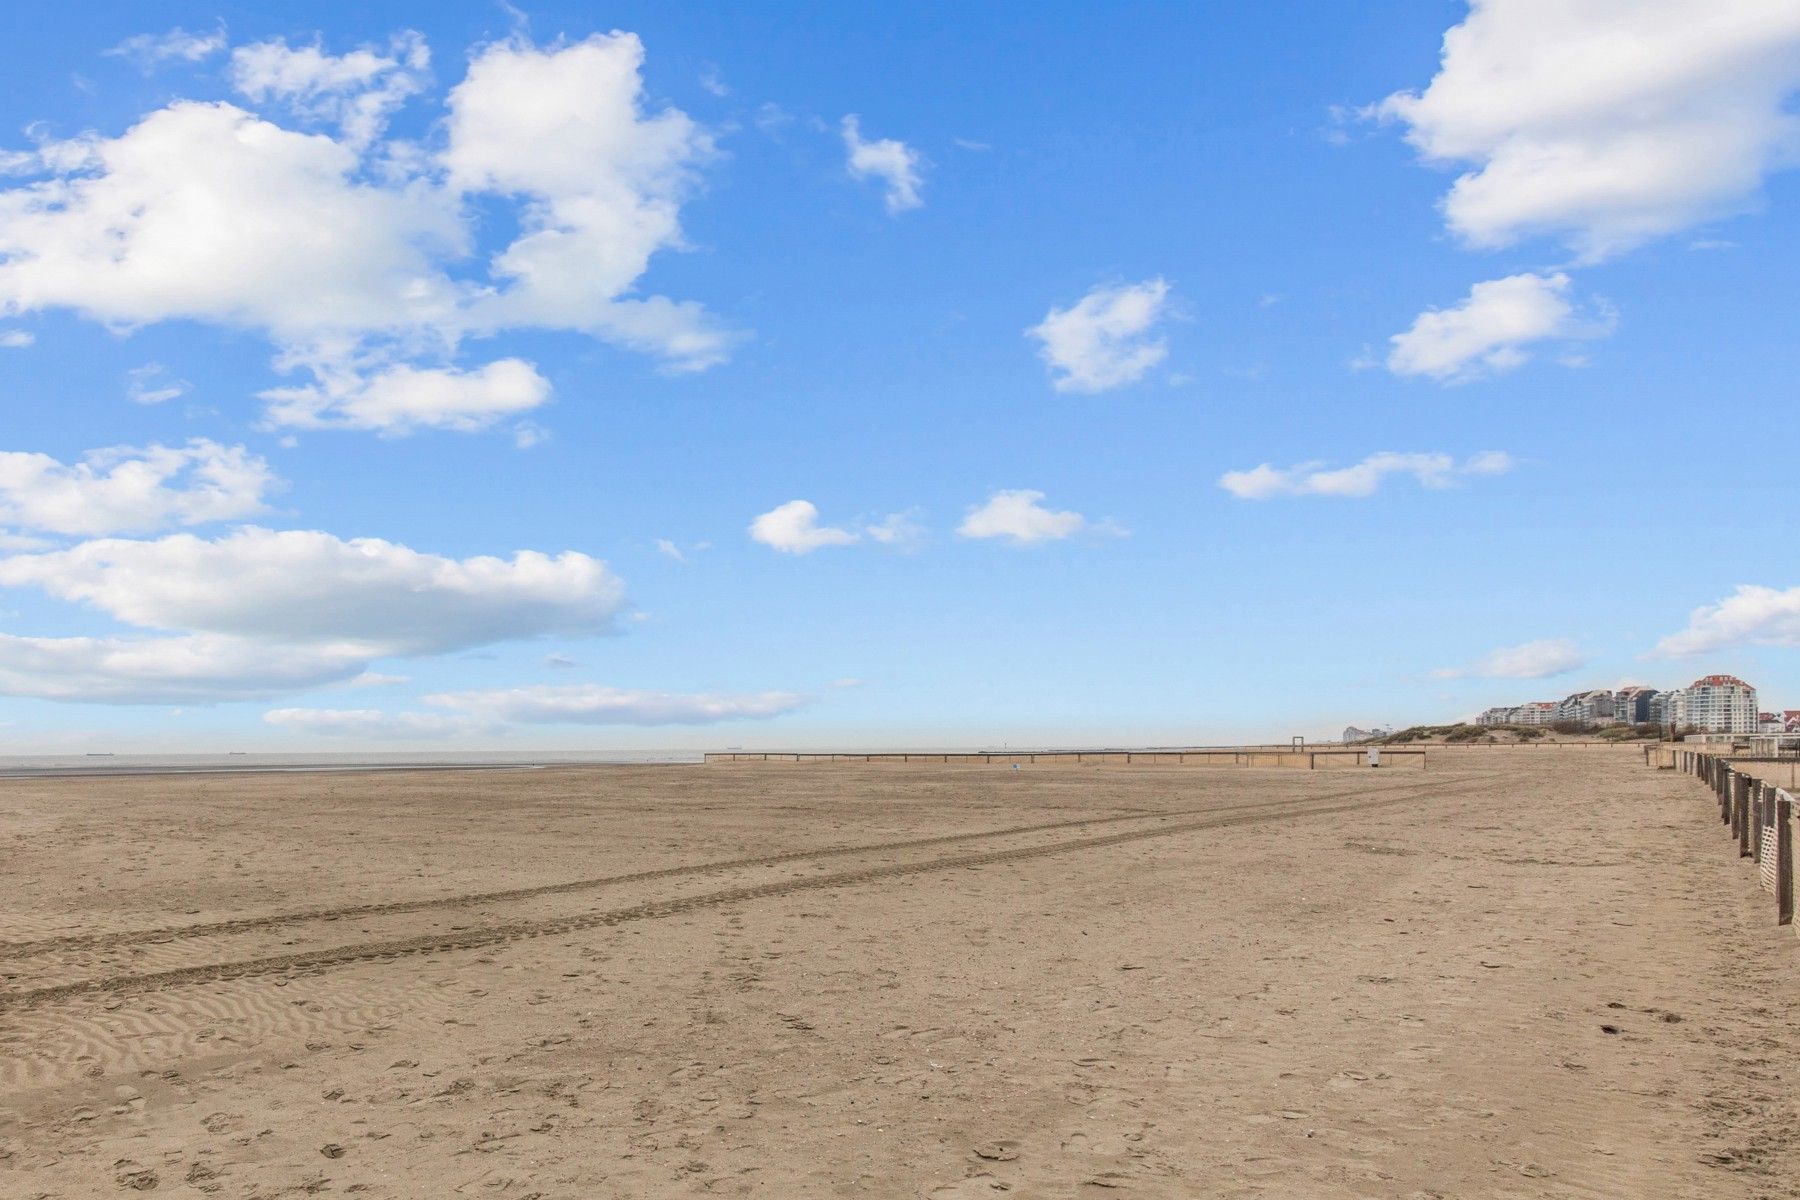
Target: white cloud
{"points": [[151, 50], [1752, 615], [1533, 660], [591, 704], [1020, 517], [357, 92], [672, 550], [896, 529], [1487, 333], [204, 212], [152, 384], [793, 528], [1105, 341], [893, 162], [372, 723], [356, 260], [602, 184], [257, 612], [196, 668], [1608, 122], [16, 339], [1433, 470], [306, 586], [129, 489], [772, 119], [403, 398]]}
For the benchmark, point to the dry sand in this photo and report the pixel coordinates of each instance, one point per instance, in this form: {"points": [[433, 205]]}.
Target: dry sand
{"points": [[1512, 975]]}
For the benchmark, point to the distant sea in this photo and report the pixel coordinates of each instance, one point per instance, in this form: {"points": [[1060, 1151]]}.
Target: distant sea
{"points": [[25, 766]]}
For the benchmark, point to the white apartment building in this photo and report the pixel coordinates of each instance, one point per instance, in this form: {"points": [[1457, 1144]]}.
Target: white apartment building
{"points": [[1720, 704], [1538, 712]]}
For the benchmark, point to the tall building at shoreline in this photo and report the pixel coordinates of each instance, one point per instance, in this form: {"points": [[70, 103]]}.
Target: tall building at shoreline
{"points": [[1721, 704]]}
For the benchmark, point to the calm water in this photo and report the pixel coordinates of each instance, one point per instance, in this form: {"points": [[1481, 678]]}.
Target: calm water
{"points": [[13, 766]]}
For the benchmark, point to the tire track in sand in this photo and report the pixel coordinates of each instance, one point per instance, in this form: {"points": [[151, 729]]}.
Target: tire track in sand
{"points": [[129, 937], [310, 961]]}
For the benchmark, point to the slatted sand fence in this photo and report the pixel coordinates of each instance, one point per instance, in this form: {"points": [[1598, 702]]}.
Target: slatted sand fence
{"points": [[1758, 812]]}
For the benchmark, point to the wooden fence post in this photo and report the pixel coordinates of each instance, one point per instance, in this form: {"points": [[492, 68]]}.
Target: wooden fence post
{"points": [[1725, 801], [1784, 862], [1758, 811], [1740, 797], [1744, 822]]}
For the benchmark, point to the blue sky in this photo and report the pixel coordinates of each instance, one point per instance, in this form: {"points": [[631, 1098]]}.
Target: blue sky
{"points": [[792, 375]]}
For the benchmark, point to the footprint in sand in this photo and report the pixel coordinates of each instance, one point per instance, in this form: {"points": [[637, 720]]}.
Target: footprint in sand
{"points": [[140, 1180], [1002, 1151]]}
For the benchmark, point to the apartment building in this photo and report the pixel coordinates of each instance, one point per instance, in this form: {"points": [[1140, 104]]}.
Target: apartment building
{"points": [[1538, 712], [1721, 704], [1632, 704], [1596, 707]]}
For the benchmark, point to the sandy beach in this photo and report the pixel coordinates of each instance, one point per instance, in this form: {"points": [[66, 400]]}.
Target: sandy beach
{"points": [[1511, 975]]}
